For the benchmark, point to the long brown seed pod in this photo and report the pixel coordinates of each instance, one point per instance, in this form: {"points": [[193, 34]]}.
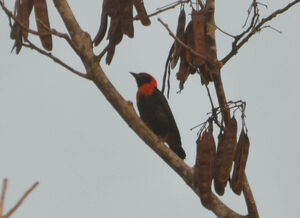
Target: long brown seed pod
{"points": [[203, 174], [225, 154], [43, 24], [240, 162]]}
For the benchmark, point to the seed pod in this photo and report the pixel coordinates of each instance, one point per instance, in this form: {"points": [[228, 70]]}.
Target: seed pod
{"points": [[240, 161], [42, 22], [103, 24], [142, 13], [126, 18], [198, 21], [203, 173], [115, 39], [225, 155], [179, 35], [26, 8], [183, 73], [189, 41]]}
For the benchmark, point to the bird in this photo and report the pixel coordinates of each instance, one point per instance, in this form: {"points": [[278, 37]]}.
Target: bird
{"points": [[156, 113]]}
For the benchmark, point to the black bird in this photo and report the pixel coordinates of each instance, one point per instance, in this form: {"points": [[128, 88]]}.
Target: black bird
{"points": [[156, 113]]}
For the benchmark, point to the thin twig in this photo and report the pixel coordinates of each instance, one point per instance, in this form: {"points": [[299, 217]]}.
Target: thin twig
{"points": [[3, 194], [18, 204], [273, 28], [165, 8], [181, 42], [55, 59], [222, 31]]}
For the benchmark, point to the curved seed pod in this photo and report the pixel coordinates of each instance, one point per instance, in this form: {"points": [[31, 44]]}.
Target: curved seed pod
{"points": [[198, 21], [114, 40], [43, 24], [26, 8], [141, 11], [183, 73], [179, 35], [240, 162], [225, 155], [103, 24], [203, 173], [126, 18]]}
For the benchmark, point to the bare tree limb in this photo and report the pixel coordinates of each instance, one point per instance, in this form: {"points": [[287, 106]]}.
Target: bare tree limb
{"points": [[254, 29], [3, 195], [18, 204], [55, 59]]}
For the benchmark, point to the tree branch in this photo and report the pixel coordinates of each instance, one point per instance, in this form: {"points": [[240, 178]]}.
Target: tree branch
{"points": [[254, 29], [55, 59], [18, 204], [125, 109], [3, 195]]}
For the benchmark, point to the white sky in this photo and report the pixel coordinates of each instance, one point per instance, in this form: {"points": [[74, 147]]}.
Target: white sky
{"points": [[58, 129]]}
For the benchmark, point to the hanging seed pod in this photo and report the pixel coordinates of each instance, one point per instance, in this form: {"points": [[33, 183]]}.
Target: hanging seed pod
{"points": [[240, 162], [26, 8], [199, 22], [225, 155], [203, 173], [126, 18], [16, 31], [115, 39], [42, 22], [142, 13], [189, 41], [103, 24], [183, 73], [179, 34]]}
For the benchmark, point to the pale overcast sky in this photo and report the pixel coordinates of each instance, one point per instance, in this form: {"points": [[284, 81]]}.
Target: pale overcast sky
{"points": [[58, 129]]}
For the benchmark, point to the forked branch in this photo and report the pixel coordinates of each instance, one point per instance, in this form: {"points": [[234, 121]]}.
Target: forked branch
{"points": [[18, 204], [253, 28]]}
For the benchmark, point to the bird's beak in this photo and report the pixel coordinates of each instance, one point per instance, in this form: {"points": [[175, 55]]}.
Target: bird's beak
{"points": [[133, 74]]}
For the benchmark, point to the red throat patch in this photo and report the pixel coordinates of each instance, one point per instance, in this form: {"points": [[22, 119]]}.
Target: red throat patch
{"points": [[147, 88]]}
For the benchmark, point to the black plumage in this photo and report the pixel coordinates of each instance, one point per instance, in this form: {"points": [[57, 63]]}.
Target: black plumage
{"points": [[156, 113]]}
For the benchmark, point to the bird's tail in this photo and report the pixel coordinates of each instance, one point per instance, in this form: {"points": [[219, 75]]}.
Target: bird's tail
{"points": [[175, 145]]}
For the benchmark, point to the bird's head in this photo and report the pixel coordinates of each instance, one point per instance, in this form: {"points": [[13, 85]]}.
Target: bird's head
{"points": [[143, 78], [145, 82]]}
